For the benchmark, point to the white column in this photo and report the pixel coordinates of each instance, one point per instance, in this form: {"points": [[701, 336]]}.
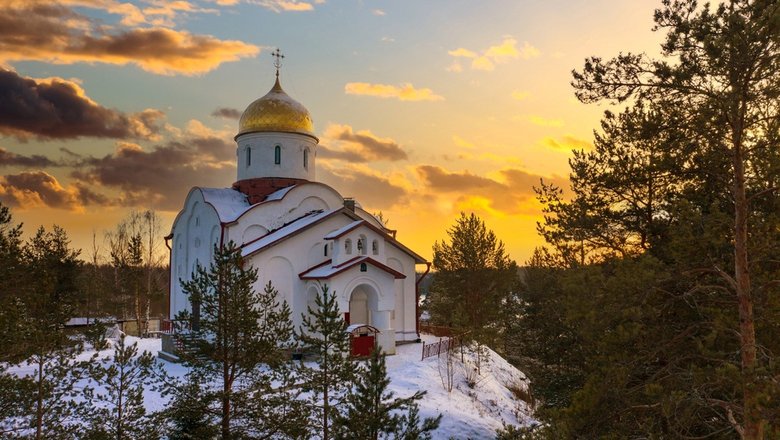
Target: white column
{"points": [[386, 339]]}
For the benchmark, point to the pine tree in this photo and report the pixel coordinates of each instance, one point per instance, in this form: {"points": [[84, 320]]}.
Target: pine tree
{"points": [[372, 413], [188, 413], [118, 409], [236, 331], [721, 66], [323, 335], [474, 278]]}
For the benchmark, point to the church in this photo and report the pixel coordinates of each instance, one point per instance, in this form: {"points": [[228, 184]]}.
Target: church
{"points": [[299, 233]]}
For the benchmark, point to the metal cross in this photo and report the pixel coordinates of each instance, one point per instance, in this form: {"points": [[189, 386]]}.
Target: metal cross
{"points": [[277, 54]]}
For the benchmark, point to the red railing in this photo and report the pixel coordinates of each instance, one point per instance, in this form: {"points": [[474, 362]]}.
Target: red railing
{"points": [[438, 348]]}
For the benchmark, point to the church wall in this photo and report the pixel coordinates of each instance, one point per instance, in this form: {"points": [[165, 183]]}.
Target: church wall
{"points": [[257, 157], [195, 232], [405, 323], [298, 255]]}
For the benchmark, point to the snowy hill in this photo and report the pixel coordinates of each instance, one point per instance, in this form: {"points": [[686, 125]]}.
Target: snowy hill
{"points": [[473, 413]]}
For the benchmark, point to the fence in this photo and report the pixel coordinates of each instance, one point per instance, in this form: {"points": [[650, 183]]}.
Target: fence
{"points": [[437, 348]]}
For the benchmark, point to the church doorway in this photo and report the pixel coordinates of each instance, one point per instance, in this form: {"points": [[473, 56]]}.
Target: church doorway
{"points": [[361, 302]]}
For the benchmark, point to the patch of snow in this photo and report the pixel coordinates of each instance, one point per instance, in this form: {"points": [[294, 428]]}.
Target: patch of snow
{"points": [[284, 231], [467, 412], [228, 203], [343, 229]]}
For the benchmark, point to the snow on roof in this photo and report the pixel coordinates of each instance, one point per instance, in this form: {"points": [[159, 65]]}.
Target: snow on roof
{"points": [[352, 327], [326, 270], [279, 195], [289, 229], [228, 203], [338, 232]]}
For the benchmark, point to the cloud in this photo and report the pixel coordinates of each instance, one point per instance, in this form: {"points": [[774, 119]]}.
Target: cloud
{"points": [[37, 188], [372, 191], [406, 92], [284, 5], [227, 113], [497, 54], [57, 34], [520, 95], [55, 108], [362, 146], [512, 194], [567, 143], [459, 141], [544, 122], [378, 12], [9, 159], [161, 176]]}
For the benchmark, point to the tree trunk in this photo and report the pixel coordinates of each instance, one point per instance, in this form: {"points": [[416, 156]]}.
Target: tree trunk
{"points": [[39, 402], [752, 424]]}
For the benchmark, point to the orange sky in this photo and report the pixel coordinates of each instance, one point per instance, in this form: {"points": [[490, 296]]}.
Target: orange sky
{"points": [[423, 109]]}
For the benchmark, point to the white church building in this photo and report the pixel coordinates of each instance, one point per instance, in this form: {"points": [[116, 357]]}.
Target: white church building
{"points": [[299, 233]]}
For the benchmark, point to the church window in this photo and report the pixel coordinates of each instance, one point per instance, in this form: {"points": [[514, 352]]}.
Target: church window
{"points": [[278, 155], [360, 245], [326, 250], [363, 267], [375, 247], [348, 246], [306, 158], [248, 157], [197, 221]]}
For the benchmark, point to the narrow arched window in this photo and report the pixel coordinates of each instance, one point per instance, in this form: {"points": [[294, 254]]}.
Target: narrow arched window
{"points": [[375, 247], [277, 155], [306, 159], [348, 246], [248, 157], [363, 267], [326, 250]]}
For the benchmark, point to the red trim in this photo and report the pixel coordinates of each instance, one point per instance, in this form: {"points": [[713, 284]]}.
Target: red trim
{"points": [[417, 299], [348, 265], [391, 238]]}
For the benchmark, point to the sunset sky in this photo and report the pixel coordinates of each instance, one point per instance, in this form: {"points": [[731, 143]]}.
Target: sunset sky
{"points": [[423, 108]]}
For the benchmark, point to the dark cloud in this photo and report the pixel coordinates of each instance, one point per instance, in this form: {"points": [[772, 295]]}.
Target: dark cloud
{"points": [[227, 113], [8, 158], [371, 191], [513, 195], [359, 147], [159, 178], [58, 109], [54, 33], [38, 188]]}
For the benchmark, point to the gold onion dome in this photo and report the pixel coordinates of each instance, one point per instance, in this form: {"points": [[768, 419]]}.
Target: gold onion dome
{"points": [[276, 112]]}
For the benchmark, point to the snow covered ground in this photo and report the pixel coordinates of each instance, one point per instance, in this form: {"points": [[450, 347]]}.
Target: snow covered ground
{"points": [[468, 413]]}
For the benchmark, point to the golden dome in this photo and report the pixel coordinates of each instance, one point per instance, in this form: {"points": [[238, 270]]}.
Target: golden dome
{"points": [[276, 112]]}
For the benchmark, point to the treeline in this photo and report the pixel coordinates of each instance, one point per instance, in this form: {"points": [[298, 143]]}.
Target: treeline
{"points": [[654, 309], [123, 276]]}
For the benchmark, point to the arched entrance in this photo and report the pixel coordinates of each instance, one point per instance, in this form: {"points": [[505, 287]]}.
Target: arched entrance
{"points": [[362, 304]]}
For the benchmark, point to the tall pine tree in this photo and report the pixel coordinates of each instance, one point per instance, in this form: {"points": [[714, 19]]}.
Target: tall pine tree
{"points": [[323, 335]]}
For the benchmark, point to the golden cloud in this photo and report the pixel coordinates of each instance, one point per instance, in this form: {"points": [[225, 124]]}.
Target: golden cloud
{"points": [[32, 189], [520, 95], [510, 194], [406, 92], [59, 35], [544, 122], [341, 142], [567, 143], [488, 58]]}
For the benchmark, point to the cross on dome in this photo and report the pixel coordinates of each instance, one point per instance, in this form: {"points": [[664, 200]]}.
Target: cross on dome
{"points": [[278, 57]]}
